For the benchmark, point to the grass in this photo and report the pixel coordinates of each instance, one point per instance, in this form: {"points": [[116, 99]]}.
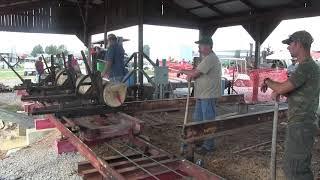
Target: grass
{"points": [[6, 74]]}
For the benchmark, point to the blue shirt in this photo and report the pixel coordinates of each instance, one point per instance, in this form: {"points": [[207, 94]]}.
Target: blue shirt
{"points": [[115, 53]]}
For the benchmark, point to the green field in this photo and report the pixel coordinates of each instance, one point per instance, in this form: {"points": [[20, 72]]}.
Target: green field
{"points": [[9, 74]]}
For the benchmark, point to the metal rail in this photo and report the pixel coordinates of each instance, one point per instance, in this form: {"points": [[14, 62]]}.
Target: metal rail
{"points": [[99, 164], [196, 131]]}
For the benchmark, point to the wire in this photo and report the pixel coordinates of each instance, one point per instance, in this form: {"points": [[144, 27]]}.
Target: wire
{"points": [[133, 162], [155, 161]]}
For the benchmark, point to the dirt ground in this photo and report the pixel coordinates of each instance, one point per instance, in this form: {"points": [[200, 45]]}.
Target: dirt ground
{"points": [[164, 129]]}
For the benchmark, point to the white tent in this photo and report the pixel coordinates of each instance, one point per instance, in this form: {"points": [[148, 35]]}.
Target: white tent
{"points": [[281, 55]]}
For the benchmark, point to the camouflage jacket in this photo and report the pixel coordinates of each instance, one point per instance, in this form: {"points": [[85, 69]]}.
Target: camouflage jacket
{"points": [[303, 101]]}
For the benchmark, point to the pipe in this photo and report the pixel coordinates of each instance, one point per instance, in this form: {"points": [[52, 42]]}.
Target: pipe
{"points": [[274, 142]]}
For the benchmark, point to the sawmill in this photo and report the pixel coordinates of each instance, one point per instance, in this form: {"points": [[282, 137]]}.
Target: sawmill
{"points": [[116, 126]]}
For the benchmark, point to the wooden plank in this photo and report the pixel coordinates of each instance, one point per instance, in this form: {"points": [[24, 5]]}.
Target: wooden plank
{"points": [[13, 20], [146, 176], [30, 19], [91, 174], [9, 20], [37, 19], [86, 169], [25, 20], [110, 159], [142, 160], [42, 16], [149, 165], [45, 18], [84, 165], [18, 20]]}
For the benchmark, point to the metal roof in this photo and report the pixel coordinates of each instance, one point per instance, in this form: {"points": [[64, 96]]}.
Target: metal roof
{"points": [[89, 16]]}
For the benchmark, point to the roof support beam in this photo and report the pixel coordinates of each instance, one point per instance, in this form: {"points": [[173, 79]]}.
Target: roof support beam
{"points": [[302, 3], [180, 9], [207, 31], [105, 31], [210, 6], [259, 31], [140, 45], [276, 14], [249, 4]]}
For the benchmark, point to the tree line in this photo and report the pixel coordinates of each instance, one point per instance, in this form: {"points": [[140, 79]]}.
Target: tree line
{"points": [[51, 49]]}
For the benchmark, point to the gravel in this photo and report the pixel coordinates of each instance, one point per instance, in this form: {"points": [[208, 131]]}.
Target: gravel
{"points": [[40, 161], [10, 99], [9, 104]]}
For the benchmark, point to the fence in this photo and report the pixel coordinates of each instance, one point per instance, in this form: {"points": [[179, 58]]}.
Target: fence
{"points": [[244, 82]]}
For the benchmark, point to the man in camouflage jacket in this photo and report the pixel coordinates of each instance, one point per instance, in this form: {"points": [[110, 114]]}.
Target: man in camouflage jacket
{"points": [[302, 89]]}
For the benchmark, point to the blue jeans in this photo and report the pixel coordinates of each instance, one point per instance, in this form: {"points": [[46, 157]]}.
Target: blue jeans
{"points": [[116, 79], [205, 109]]}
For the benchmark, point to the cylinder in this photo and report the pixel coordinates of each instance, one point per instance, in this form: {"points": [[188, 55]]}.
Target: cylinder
{"points": [[83, 89], [114, 94], [61, 77]]}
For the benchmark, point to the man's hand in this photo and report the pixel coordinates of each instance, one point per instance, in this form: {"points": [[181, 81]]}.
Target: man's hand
{"points": [[275, 96], [264, 86], [105, 75], [189, 78]]}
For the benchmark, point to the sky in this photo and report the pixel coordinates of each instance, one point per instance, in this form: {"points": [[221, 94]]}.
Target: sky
{"points": [[166, 41]]}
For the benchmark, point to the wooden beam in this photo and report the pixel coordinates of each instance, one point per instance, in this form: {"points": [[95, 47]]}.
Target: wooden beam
{"points": [[212, 7]]}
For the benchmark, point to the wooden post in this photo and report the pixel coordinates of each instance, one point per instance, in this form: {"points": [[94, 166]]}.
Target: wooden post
{"points": [[106, 7], [255, 88], [140, 41]]}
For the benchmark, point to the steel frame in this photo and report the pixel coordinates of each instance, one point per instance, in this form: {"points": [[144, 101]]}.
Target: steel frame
{"points": [[154, 163], [196, 131], [135, 106]]}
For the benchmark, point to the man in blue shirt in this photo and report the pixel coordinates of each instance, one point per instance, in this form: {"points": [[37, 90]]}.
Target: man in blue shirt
{"points": [[114, 69]]}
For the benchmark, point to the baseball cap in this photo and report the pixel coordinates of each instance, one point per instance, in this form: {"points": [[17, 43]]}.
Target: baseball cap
{"points": [[112, 36], [300, 36], [205, 40]]}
